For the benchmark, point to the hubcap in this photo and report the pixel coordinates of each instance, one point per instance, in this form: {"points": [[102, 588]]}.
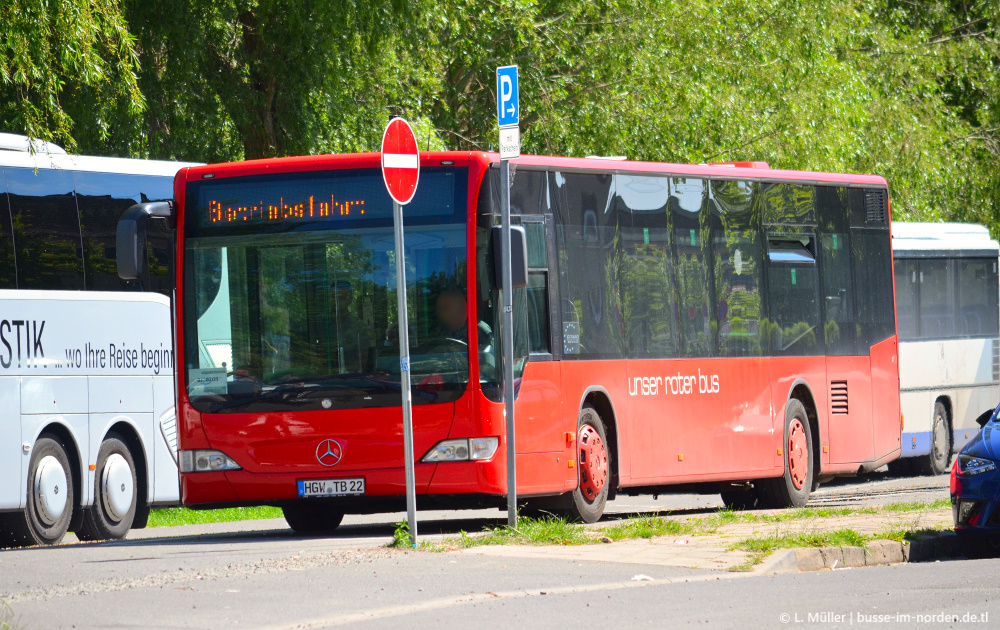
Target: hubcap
{"points": [[798, 454], [116, 487], [593, 462], [50, 489]]}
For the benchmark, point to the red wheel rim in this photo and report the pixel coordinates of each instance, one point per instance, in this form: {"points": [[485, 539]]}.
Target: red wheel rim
{"points": [[593, 463], [798, 454]]}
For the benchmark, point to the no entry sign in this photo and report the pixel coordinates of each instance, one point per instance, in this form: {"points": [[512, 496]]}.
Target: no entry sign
{"points": [[400, 161], [400, 171]]}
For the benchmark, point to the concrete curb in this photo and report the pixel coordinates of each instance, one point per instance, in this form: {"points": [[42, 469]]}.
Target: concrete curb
{"points": [[931, 547]]}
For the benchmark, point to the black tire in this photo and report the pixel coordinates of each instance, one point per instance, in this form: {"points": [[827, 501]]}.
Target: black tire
{"points": [[588, 506], [936, 462], [32, 526], [783, 492], [312, 519], [100, 520], [902, 467], [741, 499], [141, 517]]}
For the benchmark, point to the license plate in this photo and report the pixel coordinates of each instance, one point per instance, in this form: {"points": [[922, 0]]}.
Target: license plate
{"points": [[331, 487]]}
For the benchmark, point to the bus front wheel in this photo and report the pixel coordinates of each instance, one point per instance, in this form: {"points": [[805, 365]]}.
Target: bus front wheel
{"points": [[115, 493], [312, 519], [792, 489], [591, 494]]}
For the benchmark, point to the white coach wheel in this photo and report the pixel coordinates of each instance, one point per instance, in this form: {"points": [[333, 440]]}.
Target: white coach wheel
{"points": [[49, 497], [115, 493], [49, 488], [117, 486]]}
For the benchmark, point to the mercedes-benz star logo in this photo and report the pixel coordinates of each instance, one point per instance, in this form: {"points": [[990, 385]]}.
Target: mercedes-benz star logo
{"points": [[329, 452]]}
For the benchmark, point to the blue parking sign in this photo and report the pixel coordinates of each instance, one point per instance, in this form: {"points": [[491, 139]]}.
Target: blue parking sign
{"points": [[508, 109]]}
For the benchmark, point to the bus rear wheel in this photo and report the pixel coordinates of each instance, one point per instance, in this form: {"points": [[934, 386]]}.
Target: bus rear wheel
{"points": [[312, 519], [591, 494], [936, 462], [115, 493], [49, 504], [792, 488]]}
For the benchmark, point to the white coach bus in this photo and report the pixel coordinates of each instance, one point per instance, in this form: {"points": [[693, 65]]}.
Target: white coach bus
{"points": [[949, 352], [87, 439]]}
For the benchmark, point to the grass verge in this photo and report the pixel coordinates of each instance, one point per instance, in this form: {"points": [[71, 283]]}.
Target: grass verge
{"points": [[835, 538], [170, 517], [553, 530], [550, 530]]}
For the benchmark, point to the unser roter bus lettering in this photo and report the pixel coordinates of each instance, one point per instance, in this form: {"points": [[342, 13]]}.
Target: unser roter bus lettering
{"points": [[677, 384]]}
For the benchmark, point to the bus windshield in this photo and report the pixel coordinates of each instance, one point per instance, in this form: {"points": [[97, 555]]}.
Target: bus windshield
{"points": [[290, 291]]}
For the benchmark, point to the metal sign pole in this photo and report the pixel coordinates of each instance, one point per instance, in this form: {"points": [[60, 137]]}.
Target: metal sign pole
{"points": [[507, 323], [404, 373]]}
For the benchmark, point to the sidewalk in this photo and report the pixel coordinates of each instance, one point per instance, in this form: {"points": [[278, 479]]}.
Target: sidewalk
{"points": [[713, 551]]}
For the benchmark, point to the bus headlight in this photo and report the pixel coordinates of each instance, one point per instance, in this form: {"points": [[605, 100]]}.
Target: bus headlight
{"points": [[206, 461], [462, 450]]}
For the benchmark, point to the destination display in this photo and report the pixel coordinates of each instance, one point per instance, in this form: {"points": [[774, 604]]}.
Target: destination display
{"points": [[316, 201]]}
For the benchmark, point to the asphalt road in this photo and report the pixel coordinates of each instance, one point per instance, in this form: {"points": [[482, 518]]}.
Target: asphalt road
{"points": [[261, 575]]}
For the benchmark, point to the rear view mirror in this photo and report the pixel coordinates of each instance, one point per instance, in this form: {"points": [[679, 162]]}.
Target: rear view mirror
{"points": [[518, 256], [131, 237], [984, 417]]}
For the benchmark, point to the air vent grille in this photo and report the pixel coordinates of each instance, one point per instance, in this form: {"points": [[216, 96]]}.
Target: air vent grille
{"points": [[876, 207], [838, 397]]}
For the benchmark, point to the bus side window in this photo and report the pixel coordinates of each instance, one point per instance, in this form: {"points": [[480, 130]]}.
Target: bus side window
{"points": [[793, 285], [908, 298], [692, 275], [737, 265], [8, 276], [871, 251], [46, 226], [794, 327], [159, 236], [648, 302], [873, 289], [102, 198], [977, 297], [835, 270], [587, 223]]}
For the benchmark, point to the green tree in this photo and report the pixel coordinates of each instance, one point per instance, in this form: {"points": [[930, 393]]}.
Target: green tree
{"points": [[53, 54]]}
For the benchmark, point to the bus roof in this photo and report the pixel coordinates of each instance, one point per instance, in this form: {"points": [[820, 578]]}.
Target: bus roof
{"points": [[927, 237], [727, 170], [610, 164], [56, 158]]}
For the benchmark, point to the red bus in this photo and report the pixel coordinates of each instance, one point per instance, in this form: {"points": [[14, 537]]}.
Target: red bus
{"points": [[722, 328]]}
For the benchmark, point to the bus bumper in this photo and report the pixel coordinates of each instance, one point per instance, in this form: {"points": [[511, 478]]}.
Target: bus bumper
{"points": [[240, 487]]}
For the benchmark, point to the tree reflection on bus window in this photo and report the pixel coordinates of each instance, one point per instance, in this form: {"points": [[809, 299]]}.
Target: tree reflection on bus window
{"points": [[647, 293], [735, 212], [691, 266], [46, 229]]}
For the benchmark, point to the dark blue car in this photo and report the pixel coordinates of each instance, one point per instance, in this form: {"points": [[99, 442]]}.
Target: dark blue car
{"points": [[975, 488]]}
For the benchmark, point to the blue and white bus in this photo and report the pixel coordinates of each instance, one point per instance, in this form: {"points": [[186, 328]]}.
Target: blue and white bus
{"points": [[949, 347]]}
